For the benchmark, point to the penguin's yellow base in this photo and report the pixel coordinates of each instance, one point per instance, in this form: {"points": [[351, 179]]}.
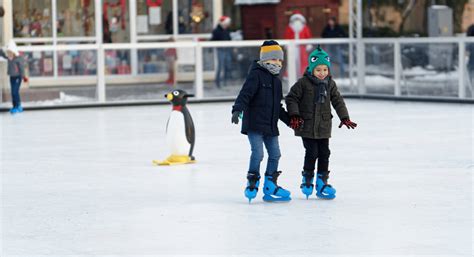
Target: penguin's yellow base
{"points": [[174, 160]]}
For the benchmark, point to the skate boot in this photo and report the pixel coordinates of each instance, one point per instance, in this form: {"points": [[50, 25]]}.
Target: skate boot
{"points": [[323, 189], [307, 185], [19, 108], [252, 185], [272, 192]]}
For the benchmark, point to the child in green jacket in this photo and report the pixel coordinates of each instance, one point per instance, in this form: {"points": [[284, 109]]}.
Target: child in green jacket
{"points": [[309, 106]]}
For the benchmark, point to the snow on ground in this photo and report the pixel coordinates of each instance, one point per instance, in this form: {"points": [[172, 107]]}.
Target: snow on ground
{"points": [[80, 183]]}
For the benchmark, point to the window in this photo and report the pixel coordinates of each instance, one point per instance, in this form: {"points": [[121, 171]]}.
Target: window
{"points": [[195, 16], [32, 18], [115, 21], [154, 17], [75, 18]]}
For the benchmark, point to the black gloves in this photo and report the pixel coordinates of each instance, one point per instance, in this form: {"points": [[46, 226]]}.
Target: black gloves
{"points": [[235, 117]]}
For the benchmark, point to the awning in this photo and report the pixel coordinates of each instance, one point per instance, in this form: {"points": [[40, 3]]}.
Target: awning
{"points": [[250, 2]]}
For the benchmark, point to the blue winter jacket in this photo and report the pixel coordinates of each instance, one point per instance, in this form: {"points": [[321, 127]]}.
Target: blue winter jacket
{"points": [[260, 101]]}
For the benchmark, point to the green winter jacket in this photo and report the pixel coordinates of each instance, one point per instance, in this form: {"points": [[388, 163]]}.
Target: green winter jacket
{"points": [[317, 116]]}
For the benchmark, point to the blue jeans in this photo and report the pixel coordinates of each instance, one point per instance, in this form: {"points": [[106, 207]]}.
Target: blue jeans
{"points": [[224, 57], [15, 83], [257, 140]]}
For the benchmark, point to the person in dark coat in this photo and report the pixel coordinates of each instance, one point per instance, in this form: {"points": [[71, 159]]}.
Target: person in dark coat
{"points": [[309, 106], [470, 48], [224, 54], [333, 30], [259, 101]]}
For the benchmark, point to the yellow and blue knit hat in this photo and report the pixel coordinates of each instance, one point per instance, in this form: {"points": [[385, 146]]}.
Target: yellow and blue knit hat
{"points": [[270, 49]]}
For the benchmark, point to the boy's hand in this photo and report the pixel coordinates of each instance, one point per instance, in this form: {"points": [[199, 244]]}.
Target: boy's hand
{"points": [[25, 79], [235, 117], [296, 122], [348, 123]]}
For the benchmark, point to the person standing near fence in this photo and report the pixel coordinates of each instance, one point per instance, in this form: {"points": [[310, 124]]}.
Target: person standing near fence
{"points": [[470, 48], [16, 71], [333, 30], [224, 54]]}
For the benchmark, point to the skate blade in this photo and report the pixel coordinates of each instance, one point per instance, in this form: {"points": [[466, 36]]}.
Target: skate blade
{"points": [[269, 198], [326, 197]]}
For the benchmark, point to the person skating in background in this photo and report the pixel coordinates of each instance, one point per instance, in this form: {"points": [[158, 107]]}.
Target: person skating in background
{"points": [[16, 71], [333, 30], [259, 101], [309, 107], [224, 54]]}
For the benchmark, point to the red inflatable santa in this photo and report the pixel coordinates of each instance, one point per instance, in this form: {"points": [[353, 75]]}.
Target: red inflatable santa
{"points": [[297, 29]]}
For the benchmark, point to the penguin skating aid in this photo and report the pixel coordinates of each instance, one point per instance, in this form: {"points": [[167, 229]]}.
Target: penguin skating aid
{"points": [[180, 135]]}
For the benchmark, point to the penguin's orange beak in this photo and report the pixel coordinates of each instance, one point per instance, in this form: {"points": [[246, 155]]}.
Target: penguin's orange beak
{"points": [[169, 96]]}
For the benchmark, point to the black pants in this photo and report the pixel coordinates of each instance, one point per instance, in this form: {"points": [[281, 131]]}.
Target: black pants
{"points": [[316, 149]]}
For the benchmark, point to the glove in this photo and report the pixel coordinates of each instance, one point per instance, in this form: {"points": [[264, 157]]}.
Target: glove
{"points": [[348, 123], [296, 122], [235, 117], [25, 79]]}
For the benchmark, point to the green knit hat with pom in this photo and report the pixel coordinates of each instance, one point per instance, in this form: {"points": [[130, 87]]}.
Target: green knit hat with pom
{"points": [[318, 57]]}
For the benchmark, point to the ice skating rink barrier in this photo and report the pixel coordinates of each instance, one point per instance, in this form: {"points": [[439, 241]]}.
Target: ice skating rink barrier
{"points": [[413, 69]]}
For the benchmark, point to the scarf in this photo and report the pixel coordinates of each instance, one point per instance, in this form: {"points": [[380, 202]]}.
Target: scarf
{"points": [[272, 68], [321, 87]]}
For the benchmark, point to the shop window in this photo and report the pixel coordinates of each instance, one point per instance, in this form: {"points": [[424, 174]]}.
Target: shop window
{"points": [[40, 64], [32, 18], [115, 21], [195, 16], [77, 63], [75, 18], [154, 17], [117, 62]]}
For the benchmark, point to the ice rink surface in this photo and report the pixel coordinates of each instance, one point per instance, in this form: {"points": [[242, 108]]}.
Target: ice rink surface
{"points": [[80, 183]]}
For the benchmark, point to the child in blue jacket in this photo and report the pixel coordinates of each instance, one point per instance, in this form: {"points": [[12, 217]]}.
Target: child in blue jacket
{"points": [[259, 101]]}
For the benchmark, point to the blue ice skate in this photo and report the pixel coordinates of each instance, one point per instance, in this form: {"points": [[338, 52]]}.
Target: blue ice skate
{"points": [[252, 185], [307, 185], [14, 110], [272, 192], [19, 108], [323, 189]]}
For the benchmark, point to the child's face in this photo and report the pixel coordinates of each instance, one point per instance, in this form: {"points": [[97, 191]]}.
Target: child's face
{"points": [[10, 54], [275, 61], [321, 71]]}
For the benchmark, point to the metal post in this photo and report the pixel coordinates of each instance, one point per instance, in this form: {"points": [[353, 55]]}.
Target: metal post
{"points": [[98, 21], [175, 18], [199, 82], [101, 86], [462, 69], [55, 37], [351, 43], [291, 62], [101, 91], [397, 67], [133, 36], [360, 51]]}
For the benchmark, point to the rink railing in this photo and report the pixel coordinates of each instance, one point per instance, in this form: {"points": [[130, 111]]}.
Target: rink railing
{"points": [[357, 70]]}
